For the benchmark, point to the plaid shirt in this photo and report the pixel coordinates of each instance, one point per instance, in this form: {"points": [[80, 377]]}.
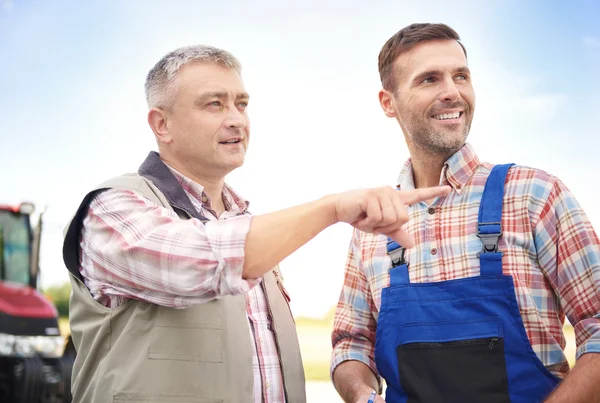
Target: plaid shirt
{"points": [[133, 248], [549, 248]]}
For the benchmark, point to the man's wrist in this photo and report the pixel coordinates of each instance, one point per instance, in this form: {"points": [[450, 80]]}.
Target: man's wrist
{"points": [[361, 390], [328, 204]]}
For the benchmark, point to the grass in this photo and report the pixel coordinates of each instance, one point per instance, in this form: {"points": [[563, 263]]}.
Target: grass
{"points": [[314, 336], [63, 325], [316, 371], [570, 350]]}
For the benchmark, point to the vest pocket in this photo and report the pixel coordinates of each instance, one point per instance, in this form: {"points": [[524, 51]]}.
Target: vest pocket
{"points": [[186, 344], [453, 362], [190, 334]]}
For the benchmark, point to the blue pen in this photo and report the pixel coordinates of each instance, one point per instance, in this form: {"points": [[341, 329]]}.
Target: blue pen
{"points": [[372, 397]]}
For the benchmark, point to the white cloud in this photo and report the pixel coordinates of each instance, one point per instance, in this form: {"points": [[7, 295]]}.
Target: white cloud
{"points": [[7, 4]]}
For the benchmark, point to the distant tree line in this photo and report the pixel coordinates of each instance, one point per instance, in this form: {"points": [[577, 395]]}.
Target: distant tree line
{"points": [[59, 295]]}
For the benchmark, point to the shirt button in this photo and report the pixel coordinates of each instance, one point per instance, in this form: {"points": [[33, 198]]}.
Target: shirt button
{"points": [[431, 210], [433, 251], [204, 198]]}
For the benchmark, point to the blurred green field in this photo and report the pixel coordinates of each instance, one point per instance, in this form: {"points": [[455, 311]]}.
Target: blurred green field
{"points": [[63, 325], [315, 342]]}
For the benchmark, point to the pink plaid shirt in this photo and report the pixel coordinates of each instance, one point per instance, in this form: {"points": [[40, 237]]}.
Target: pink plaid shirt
{"points": [[549, 248], [132, 248]]}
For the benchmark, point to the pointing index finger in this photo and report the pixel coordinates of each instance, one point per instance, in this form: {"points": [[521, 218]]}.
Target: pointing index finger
{"points": [[418, 195]]}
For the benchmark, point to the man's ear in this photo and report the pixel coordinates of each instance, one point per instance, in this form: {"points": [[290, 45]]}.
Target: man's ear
{"points": [[386, 100], [157, 119]]}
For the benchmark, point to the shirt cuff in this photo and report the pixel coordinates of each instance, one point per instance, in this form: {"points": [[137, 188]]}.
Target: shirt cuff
{"points": [[589, 330], [227, 239], [342, 356], [592, 345]]}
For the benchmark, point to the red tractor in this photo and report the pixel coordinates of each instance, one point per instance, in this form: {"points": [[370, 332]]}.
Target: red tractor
{"points": [[35, 365]]}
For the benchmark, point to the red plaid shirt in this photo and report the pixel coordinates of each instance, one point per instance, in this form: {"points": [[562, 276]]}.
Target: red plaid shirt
{"points": [[132, 248], [549, 248]]}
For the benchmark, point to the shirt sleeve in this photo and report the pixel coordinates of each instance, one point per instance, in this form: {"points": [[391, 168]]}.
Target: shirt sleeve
{"points": [[132, 248], [569, 252], [354, 328]]}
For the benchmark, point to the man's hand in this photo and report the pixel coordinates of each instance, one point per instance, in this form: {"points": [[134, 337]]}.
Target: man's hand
{"points": [[365, 399], [382, 210], [273, 237]]}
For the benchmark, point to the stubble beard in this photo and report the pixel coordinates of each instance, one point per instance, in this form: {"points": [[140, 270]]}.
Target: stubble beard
{"points": [[435, 141]]}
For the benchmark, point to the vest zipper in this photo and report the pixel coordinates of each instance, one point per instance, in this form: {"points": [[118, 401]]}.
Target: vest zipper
{"points": [[285, 392]]}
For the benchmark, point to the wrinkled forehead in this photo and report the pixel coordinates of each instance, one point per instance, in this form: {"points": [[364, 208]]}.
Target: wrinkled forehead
{"points": [[437, 55], [200, 78]]}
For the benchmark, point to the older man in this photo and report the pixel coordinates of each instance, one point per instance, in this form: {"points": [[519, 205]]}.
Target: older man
{"points": [[175, 295]]}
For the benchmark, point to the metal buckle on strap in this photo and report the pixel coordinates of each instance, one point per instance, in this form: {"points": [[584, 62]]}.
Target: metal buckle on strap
{"points": [[397, 256], [489, 241]]}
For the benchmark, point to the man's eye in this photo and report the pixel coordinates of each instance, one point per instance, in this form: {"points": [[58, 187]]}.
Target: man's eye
{"points": [[428, 80], [215, 103], [461, 77], [243, 104]]}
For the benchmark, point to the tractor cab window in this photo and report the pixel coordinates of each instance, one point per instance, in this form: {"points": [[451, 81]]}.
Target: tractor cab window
{"points": [[15, 244]]}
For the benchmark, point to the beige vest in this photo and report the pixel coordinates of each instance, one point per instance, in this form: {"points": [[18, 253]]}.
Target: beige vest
{"points": [[141, 352]]}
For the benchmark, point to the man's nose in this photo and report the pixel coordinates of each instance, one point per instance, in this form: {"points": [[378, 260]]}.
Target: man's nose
{"points": [[235, 118], [450, 92]]}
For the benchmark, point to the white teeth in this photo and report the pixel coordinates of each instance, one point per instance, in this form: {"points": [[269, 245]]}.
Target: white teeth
{"points": [[231, 141], [444, 116]]}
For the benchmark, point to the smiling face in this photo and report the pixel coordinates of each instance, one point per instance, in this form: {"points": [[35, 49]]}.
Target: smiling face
{"points": [[206, 131], [433, 100]]}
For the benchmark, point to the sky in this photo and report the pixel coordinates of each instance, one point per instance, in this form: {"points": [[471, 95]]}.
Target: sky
{"points": [[73, 112]]}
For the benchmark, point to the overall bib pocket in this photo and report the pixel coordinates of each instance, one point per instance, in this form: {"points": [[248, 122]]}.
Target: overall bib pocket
{"points": [[459, 361]]}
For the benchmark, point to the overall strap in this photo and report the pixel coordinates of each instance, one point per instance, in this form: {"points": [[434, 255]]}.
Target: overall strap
{"points": [[399, 269], [489, 225]]}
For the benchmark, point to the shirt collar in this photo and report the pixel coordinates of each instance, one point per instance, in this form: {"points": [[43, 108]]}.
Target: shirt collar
{"points": [[233, 202], [456, 172]]}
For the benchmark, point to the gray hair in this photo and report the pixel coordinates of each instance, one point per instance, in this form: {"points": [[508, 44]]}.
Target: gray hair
{"points": [[160, 88]]}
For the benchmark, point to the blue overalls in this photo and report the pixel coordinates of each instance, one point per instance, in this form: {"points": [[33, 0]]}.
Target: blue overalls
{"points": [[460, 340]]}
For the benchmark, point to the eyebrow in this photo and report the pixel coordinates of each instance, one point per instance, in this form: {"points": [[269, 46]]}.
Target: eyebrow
{"points": [[421, 76], [219, 95]]}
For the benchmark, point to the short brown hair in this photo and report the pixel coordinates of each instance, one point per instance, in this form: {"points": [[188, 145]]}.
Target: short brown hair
{"points": [[403, 41]]}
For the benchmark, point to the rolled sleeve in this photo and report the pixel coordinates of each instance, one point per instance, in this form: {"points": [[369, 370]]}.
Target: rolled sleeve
{"points": [[569, 251], [352, 350], [227, 239], [132, 248], [588, 330], [354, 327]]}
